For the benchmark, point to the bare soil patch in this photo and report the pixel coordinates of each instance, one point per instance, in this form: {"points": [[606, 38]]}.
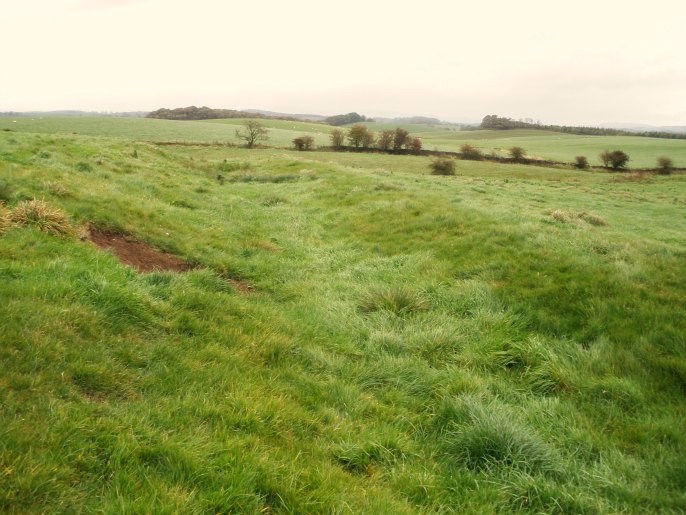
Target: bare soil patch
{"points": [[137, 254]]}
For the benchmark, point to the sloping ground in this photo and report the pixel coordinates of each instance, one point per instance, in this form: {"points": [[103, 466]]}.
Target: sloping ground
{"points": [[511, 338]]}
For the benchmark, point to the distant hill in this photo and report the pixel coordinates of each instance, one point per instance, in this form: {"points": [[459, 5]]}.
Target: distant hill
{"points": [[124, 114], [297, 116], [641, 127], [495, 122]]}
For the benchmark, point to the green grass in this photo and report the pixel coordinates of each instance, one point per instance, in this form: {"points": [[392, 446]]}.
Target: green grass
{"points": [[281, 133], [643, 152], [556, 146], [410, 343]]}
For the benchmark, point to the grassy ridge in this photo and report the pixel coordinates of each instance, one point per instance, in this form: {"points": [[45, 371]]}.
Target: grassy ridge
{"points": [[510, 338]]}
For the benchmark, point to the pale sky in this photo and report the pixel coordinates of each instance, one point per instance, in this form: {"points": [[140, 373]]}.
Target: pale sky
{"points": [[560, 61]]}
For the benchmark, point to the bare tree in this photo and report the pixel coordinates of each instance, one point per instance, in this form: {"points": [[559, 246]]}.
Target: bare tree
{"points": [[360, 136], [337, 138], [252, 132], [400, 138], [385, 140]]}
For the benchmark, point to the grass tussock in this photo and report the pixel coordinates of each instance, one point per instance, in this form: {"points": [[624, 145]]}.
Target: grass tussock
{"points": [[399, 300], [5, 220], [570, 217], [488, 435], [41, 215], [56, 189]]}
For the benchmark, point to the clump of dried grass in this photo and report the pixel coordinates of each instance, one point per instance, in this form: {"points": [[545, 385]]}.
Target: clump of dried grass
{"points": [[591, 218], [43, 216], [5, 221], [568, 217]]}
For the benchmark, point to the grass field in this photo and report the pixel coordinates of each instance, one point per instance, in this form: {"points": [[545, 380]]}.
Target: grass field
{"points": [[508, 339], [555, 146], [643, 152]]}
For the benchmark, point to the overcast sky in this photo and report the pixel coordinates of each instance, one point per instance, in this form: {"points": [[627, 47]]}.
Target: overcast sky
{"points": [[560, 61]]}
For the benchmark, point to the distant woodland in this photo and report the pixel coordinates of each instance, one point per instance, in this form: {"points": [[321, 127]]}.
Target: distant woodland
{"points": [[207, 113], [495, 122]]}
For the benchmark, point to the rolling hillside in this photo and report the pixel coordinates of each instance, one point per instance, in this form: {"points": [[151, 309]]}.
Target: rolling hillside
{"points": [[342, 332]]}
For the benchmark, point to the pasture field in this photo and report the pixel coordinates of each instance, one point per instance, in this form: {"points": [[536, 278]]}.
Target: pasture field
{"points": [[643, 152], [554, 146], [355, 335], [558, 146]]}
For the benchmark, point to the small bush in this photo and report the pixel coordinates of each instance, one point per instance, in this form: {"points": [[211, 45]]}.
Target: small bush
{"points": [[39, 214], [665, 165], [516, 153], [616, 159], [471, 152], [414, 145], [83, 167], [399, 300], [442, 166], [581, 162], [304, 143]]}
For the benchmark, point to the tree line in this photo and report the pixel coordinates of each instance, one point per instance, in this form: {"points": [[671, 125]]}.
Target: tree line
{"points": [[359, 136], [495, 122], [208, 113]]}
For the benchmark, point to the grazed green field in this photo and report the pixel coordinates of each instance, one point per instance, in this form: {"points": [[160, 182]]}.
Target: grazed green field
{"points": [[564, 147], [555, 146], [548, 145], [222, 131], [511, 338]]}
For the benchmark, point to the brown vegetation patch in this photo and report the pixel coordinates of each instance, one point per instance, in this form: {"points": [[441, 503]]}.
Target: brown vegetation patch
{"points": [[636, 176], [137, 254], [240, 285], [41, 215]]}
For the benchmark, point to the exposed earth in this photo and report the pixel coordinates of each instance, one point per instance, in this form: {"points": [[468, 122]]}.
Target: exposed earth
{"points": [[137, 254]]}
